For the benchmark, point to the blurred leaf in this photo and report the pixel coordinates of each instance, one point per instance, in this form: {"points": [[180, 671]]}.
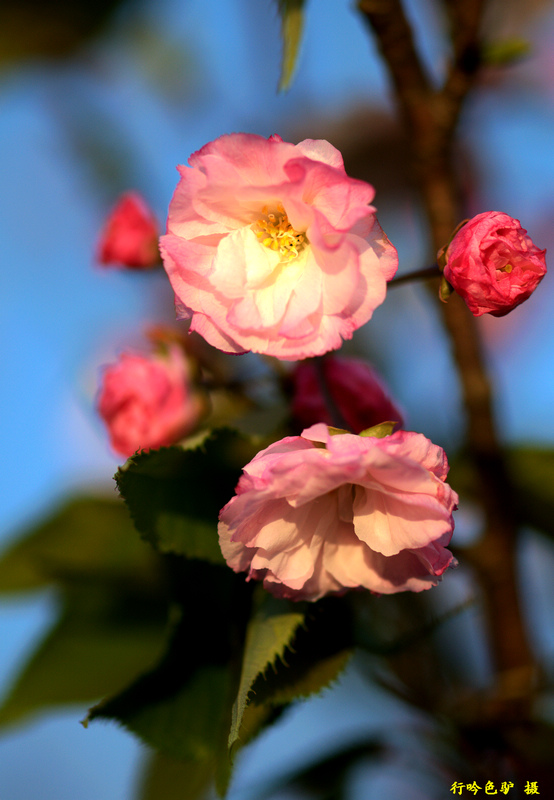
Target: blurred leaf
{"points": [[166, 779], [292, 23], [183, 706], [532, 473], [505, 52], [269, 632], [325, 779], [88, 538], [175, 495], [103, 640], [49, 28]]}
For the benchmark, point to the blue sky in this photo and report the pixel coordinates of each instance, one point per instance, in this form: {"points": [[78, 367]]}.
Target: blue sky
{"points": [[62, 317]]}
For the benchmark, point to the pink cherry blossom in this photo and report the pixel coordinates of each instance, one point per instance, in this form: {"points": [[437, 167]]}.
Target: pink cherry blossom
{"points": [[130, 235], [353, 387], [272, 248], [318, 514], [147, 401], [493, 264]]}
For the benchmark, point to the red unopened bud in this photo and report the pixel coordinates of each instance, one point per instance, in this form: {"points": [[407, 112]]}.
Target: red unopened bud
{"points": [[492, 263], [130, 236], [350, 385]]}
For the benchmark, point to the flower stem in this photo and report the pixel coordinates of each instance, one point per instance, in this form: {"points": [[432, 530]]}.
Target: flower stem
{"points": [[335, 414], [419, 275]]}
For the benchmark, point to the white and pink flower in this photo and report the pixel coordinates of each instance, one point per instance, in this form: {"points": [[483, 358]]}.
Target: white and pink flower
{"points": [[318, 514], [272, 248]]}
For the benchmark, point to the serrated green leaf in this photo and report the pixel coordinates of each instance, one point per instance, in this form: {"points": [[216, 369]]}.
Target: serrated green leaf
{"points": [[270, 631], [184, 721], [311, 679], [315, 657], [292, 24], [103, 640], [166, 779], [85, 539], [381, 430], [175, 495]]}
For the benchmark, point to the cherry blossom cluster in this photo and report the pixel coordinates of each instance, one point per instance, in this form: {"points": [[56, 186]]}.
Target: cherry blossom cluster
{"points": [[272, 248]]}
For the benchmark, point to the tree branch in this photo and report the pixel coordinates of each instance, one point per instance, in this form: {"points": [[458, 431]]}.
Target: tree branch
{"points": [[430, 117]]}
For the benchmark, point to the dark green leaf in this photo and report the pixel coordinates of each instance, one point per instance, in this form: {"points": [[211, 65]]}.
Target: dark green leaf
{"points": [[269, 633], [175, 495], [314, 658], [52, 28], [325, 779], [88, 538], [103, 640], [183, 706], [292, 23]]}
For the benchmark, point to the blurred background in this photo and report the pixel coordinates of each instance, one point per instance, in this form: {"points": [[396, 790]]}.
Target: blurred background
{"points": [[102, 97]]}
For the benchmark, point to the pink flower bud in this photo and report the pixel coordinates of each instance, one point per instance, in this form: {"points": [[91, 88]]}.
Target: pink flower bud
{"points": [[130, 236], [353, 388], [148, 402], [492, 263], [360, 511]]}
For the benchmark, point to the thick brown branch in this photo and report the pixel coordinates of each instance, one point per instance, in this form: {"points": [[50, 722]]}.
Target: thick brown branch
{"points": [[430, 118]]}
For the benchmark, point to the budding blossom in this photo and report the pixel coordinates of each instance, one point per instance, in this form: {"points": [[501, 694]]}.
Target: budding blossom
{"points": [[271, 247], [130, 235], [352, 386], [148, 401], [492, 263], [318, 514]]}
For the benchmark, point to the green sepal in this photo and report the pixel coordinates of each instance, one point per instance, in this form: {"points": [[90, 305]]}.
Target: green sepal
{"points": [[443, 253], [446, 290], [174, 495], [336, 431], [292, 24], [381, 430]]}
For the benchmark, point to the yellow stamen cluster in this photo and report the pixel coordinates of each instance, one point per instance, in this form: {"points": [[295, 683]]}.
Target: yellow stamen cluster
{"points": [[275, 231]]}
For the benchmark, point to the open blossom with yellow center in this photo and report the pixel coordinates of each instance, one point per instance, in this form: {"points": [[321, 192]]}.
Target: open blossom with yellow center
{"points": [[275, 231], [271, 247]]}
